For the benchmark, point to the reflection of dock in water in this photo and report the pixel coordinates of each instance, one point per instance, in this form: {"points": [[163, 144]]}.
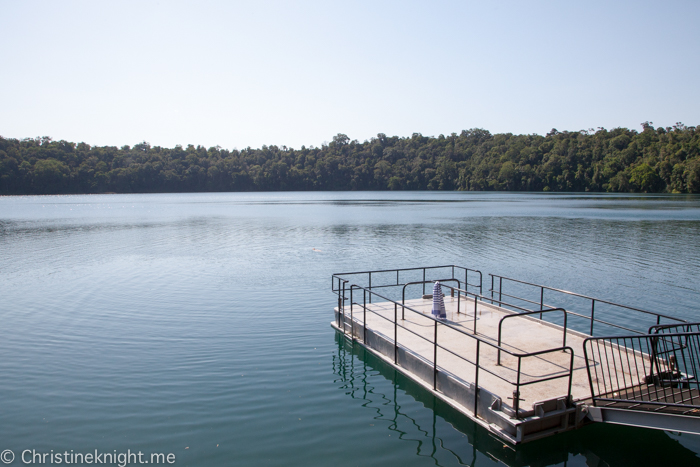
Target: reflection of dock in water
{"points": [[523, 373], [389, 395], [353, 365]]}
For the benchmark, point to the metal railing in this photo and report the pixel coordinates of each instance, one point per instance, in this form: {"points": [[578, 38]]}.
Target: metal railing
{"points": [[528, 313], [655, 372], [366, 277], [674, 328], [476, 298], [365, 308], [497, 280]]}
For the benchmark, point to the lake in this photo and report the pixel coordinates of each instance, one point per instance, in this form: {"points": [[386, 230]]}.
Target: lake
{"points": [[199, 324]]}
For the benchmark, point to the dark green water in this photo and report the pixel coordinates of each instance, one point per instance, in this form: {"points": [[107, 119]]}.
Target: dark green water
{"points": [[198, 324]]}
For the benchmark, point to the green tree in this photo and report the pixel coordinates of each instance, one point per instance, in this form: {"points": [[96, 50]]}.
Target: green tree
{"points": [[50, 176], [645, 179]]}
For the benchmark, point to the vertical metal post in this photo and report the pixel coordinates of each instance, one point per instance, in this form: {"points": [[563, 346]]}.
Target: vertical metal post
{"points": [[541, 300], [396, 343], [352, 321], [435, 358], [588, 368], [516, 393], [565, 328], [423, 281], [571, 378], [592, 315], [653, 343], [476, 379], [370, 286], [459, 299], [340, 303], [397, 277], [491, 289], [474, 315], [343, 305], [364, 317], [500, 290]]}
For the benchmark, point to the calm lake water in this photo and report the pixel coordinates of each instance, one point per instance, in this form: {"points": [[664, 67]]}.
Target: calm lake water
{"points": [[198, 324]]}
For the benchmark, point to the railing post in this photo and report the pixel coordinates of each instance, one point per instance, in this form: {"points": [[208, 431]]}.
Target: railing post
{"points": [[541, 300], [653, 344], [491, 288], [516, 393], [571, 378], [403, 301], [474, 315], [340, 303], [370, 286], [458, 297], [476, 379], [352, 321], [500, 291], [396, 343], [364, 317], [423, 281], [343, 305], [592, 315], [435, 358], [588, 368]]}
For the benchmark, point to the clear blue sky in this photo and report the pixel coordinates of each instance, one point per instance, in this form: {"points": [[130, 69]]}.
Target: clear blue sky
{"points": [[239, 74]]}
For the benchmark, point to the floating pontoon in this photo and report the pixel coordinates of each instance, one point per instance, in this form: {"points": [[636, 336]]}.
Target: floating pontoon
{"points": [[521, 366]]}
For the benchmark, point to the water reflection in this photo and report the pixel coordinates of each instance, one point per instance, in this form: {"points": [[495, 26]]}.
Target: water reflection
{"points": [[356, 372], [402, 405]]}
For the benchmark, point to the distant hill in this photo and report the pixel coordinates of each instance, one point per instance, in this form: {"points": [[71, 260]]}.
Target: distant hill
{"points": [[617, 160]]}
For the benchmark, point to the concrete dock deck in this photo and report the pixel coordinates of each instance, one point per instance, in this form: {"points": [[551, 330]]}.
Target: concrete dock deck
{"points": [[544, 407], [519, 335]]}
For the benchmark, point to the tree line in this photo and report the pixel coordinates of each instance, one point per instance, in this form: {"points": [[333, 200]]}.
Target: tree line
{"points": [[619, 160]]}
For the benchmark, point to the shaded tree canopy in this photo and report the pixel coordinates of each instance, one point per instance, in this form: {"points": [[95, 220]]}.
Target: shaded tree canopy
{"points": [[618, 160]]}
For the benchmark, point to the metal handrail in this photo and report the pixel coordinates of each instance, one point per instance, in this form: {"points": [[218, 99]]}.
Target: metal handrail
{"points": [[516, 315], [669, 381], [424, 269], [593, 300], [659, 328], [517, 383], [500, 304]]}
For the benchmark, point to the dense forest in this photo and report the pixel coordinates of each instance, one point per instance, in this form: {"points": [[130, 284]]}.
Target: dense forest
{"points": [[617, 160]]}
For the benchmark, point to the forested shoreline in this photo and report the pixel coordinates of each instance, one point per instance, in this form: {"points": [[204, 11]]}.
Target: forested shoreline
{"points": [[619, 160]]}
